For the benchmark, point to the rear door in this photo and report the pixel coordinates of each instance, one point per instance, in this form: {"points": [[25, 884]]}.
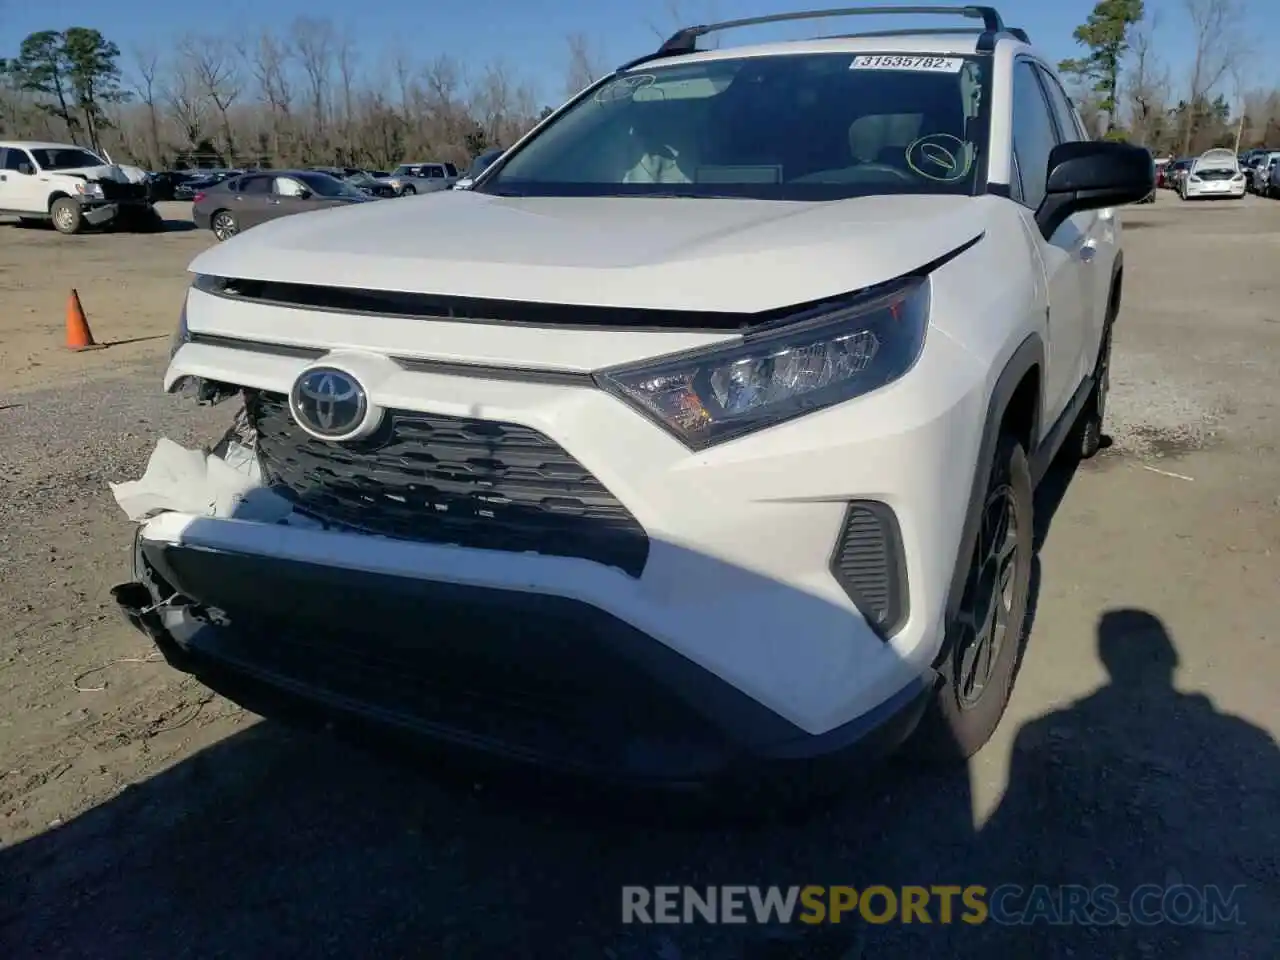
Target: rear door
{"points": [[1034, 136], [251, 200]]}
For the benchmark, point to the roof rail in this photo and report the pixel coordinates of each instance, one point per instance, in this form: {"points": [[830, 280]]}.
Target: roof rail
{"points": [[1019, 34], [686, 40], [930, 32]]}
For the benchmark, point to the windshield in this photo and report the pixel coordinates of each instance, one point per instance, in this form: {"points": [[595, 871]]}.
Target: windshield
{"points": [[404, 170], [65, 158], [794, 127], [323, 185]]}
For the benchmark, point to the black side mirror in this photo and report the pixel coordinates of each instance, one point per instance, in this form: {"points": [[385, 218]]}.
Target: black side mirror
{"points": [[1090, 175]]}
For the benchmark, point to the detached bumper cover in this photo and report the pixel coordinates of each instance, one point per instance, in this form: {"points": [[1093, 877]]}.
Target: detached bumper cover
{"points": [[541, 680], [98, 212]]}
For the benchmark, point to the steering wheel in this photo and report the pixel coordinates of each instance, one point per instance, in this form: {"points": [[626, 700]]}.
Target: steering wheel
{"points": [[858, 174]]}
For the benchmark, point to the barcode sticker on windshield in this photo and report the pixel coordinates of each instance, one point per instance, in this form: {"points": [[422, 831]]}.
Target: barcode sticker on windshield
{"points": [[895, 62]]}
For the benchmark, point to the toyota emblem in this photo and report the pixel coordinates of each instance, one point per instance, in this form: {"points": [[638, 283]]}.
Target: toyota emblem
{"points": [[331, 404]]}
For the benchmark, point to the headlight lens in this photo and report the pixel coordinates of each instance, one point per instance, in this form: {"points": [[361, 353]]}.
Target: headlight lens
{"points": [[819, 358], [91, 190]]}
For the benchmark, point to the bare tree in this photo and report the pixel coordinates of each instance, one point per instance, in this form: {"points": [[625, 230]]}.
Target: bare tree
{"points": [[584, 66], [314, 44], [146, 64], [677, 15], [1147, 82], [347, 59], [302, 95], [187, 103], [1217, 27], [267, 59], [215, 68], [493, 103]]}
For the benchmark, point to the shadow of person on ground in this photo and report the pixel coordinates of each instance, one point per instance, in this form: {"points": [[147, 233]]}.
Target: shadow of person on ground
{"points": [[1136, 784]]}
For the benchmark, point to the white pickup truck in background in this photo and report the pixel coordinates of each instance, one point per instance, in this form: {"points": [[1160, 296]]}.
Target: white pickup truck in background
{"points": [[71, 186]]}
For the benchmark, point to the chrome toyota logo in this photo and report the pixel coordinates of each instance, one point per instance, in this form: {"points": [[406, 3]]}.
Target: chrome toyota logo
{"points": [[331, 404]]}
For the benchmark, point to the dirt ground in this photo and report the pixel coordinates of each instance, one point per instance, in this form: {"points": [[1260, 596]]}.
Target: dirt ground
{"points": [[141, 816], [130, 286]]}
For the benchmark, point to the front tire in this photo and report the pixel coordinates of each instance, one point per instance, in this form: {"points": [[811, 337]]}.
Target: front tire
{"points": [[223, 224], [984, 639], [67, 216], [409, 190]]}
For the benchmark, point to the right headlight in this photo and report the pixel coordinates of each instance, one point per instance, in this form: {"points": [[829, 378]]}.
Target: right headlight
{"points": [[820, 357]]}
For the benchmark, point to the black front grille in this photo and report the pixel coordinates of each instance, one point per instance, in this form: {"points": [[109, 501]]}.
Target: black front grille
{"points": [[449, 480], [111, 190]]}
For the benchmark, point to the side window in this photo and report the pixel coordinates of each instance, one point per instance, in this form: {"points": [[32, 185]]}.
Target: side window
{"points": [[286, 187], [14, 158], [434, 172], [255, 185], [1062, 109], [1033, 133]]}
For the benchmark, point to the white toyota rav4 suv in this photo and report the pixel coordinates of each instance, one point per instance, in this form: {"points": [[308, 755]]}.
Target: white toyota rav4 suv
{"points": [[707, 443]]}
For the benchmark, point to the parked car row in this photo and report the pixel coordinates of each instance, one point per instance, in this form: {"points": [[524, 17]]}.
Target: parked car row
{"points": [[1262, 172], [406, 180]]}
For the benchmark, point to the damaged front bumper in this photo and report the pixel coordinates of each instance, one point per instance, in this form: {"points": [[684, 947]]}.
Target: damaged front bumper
{"points": [[503, 675], [295, 621]]}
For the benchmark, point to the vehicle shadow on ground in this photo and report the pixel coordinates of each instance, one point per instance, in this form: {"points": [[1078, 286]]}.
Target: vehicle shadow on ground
{"points": [[279, 843], [166, 226]]}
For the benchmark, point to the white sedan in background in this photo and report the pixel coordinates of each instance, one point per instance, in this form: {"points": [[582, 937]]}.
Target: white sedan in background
{"points": [[1215, 173]]}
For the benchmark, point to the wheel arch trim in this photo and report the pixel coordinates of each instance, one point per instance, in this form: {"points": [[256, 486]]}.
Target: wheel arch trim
{"points": [[1028, 356]]}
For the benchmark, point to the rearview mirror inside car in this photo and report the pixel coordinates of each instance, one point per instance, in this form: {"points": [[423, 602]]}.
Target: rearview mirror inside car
{"points": [[1090, 175]]}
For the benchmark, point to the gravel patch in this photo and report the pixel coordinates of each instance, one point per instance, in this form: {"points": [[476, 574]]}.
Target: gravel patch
{"points": [[1151, 414], [62, 445]]}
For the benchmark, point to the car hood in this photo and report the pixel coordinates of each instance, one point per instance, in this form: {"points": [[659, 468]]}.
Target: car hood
{"points": [[107, 171], [656, 253]]}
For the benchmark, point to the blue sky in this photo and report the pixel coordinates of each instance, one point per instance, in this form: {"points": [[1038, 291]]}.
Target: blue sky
{"points": [[529, 35]]}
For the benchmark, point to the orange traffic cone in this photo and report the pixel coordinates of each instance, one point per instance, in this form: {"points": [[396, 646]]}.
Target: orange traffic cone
{"points": [[79, 337]]}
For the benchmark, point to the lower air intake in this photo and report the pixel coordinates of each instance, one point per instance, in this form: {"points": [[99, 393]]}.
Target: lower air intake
{"points": [[868, 564]]}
